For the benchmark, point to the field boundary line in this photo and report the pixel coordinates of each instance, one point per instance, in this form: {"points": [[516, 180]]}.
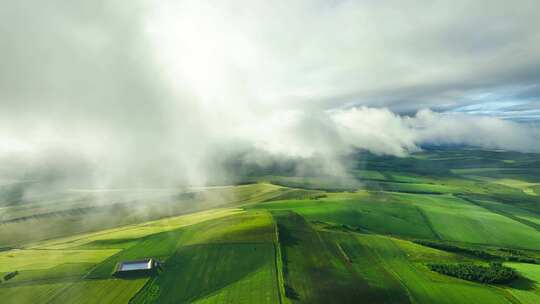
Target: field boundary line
{"points": [[428, 222], [394, 273], [347, 258], [148, 282], [501, 213], [280, 281]]}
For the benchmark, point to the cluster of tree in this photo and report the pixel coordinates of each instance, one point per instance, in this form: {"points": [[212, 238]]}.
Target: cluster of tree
{"points": [[6, 248], [10, 275], [505, 254], [299, 194], [495, 273], [512, 251], [329, 185], [521, 259], [514, 255]]}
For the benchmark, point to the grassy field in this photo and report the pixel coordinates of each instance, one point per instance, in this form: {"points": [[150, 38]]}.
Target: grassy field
{"points": [[371, 212], [93, 212], [423, 286], [315, 270], [213, 272], [383, 285], [74, 269], [456, 220], [103, 291], [229, 259], [286, 238], [31, 293]]}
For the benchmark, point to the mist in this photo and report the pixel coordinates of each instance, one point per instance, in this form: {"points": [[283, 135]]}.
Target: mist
{"points": [[138, 95]]}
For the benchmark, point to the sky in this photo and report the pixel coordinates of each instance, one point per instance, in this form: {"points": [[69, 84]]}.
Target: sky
{"points": [[138, 89]]}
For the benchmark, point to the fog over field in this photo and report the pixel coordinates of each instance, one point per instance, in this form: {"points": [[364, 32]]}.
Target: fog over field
{"points": [[132, 92]]}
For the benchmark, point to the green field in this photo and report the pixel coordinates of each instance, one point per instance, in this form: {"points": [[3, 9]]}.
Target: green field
{"points": [[282, 238], [371, 212], [213, 273], [314, 268], [457, 220], [421, 285]]}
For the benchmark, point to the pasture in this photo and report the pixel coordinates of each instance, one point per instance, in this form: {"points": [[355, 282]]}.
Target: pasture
{"points": [[212, 273], [289, 239]]}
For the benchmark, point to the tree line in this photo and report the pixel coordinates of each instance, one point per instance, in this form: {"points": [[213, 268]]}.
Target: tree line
{"points": [[495, 273], [510, 255]]}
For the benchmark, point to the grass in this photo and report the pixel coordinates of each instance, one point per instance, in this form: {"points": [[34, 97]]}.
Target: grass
{"points": [[384, 286], [526, 187], [536, 189], [315, 270], [213, 273], [532, 273], [420, 188], [253, 226], [423, 286], [31, 293], [50, 264], [457, 220], [23, 259], [377, 213], [258, 192], [60, 272], [369, 175], [298, 194], [518, 214], [325, 240], [118, 237], [64, 218], [99, 291], [228, 259], [320, 183], [160, 246]]}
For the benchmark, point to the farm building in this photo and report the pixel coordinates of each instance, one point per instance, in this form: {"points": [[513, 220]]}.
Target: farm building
{"points": [[136, 268]]}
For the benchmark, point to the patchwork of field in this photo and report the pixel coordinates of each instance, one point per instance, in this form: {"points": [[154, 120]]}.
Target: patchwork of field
{"points": [[418, 283], [531, 293], [77, 269], [314, 269], [454, 219], [36, 220], [375, 213], [292, 239]]}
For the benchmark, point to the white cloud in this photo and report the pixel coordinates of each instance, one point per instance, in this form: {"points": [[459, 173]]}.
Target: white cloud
{"points": [[151, 89], [381, 131]]}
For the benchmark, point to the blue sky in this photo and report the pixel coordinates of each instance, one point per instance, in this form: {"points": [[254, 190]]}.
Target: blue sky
{"points": [[519, 104], [524, 111]]}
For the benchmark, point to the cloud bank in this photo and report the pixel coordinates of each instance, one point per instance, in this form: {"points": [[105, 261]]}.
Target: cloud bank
{"points": [[146, 92], [382, 131]]}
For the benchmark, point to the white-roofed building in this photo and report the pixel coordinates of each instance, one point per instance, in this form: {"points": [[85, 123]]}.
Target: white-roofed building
{"points": [[137, 267]]}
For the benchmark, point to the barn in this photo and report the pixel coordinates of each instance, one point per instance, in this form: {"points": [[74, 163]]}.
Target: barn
{"points": [[142, 267]]}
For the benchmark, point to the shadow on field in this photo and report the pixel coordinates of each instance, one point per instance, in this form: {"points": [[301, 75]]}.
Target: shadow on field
{"points": [[197, 271], [286, 238], [523, 283]]}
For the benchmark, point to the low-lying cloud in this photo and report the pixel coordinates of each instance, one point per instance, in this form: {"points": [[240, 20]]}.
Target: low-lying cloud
{"points": [[384, 132], [141, 93]]}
